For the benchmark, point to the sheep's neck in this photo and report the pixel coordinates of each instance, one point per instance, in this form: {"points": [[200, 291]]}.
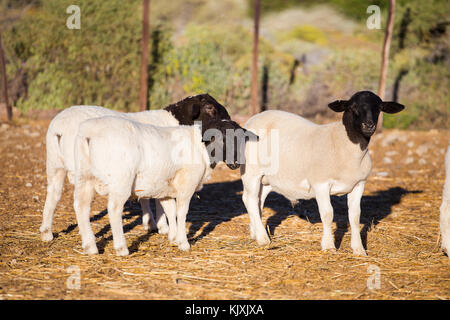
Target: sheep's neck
{"points": [[354, 136]]}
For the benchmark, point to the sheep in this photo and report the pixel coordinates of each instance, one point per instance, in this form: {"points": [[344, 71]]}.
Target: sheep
{"points": [[445, 208], [313, 161], [119, 157], [60, 141]]}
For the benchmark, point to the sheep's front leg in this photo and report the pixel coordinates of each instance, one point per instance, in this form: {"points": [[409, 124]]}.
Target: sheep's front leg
{"points": [[115, 210], [161, 221], [83, 194], [170, 208], [55, 181], [252, 201], [182, 210], [264, 192], [354, 211], [147, 215], [326, 215]]}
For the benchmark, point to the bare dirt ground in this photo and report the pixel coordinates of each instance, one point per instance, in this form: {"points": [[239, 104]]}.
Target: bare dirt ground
{"points": [[399, 223]]}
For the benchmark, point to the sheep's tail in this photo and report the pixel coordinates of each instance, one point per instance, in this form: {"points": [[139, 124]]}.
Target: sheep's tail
{"points": [[447, 168], [82, 154], [55, 158]]}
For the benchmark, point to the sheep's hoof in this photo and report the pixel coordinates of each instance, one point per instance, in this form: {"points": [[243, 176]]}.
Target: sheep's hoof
{"points": [[122, 251], [46, 236], [151, 228], [184, 246], [252, 234], [90, 249], [446, 251], [163, 229], [173, 244], [329, 247], [359, 252], [172, 239], [328, 244], [264, 241]]}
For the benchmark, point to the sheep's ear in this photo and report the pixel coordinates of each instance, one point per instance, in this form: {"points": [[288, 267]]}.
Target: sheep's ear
{"points": [[184, 111], [194, 111], [391, 107], [338, 105]]}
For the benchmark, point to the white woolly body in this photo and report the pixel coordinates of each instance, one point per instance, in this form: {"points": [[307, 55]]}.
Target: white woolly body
{"points": [[143, 154], [309, 154], [311, 161], [121, 157], [65, 126]]}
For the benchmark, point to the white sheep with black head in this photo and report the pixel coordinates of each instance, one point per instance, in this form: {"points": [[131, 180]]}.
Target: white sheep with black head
{"points": [[60, 142], [118, 157], [313, 161]]}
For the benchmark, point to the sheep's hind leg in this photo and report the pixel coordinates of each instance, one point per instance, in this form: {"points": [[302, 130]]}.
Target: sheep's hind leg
{"points": [[170, 208], [147, 215], [161, 221], [115, 210], [182, 210], [55, 182], [83, 194]]}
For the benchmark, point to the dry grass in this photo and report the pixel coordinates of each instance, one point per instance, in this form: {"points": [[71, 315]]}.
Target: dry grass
{"points": [[400, 224]]}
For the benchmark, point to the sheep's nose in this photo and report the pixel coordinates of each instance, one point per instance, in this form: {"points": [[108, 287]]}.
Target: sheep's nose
{"points": [[368, 126]]}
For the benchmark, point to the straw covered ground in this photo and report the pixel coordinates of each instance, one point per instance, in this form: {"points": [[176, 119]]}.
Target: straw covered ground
{"points": [[399, 225]]}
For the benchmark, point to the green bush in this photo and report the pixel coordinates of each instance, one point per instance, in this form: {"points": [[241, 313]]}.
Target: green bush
{"points": [[216, 60], [100, 63], [94, 65]]}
